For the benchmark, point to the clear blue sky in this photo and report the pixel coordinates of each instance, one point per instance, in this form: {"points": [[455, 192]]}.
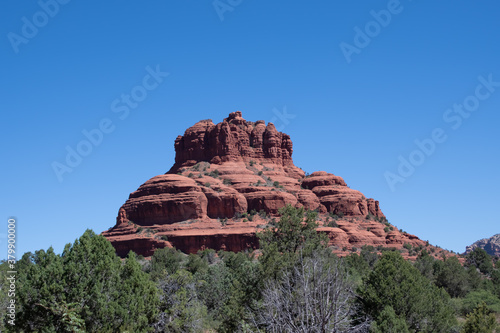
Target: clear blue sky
{"points": [[67, 71]]}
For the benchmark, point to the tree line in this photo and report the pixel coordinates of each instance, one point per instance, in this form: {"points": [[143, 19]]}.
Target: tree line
{"points": [[295, 284]]}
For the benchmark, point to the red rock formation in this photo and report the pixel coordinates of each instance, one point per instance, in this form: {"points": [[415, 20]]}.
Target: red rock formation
{"points": [[166, 199], [223, 172], [234, 139]]}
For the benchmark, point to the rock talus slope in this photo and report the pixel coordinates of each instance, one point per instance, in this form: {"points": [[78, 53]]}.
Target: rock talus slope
{"points": [[228, 182]]}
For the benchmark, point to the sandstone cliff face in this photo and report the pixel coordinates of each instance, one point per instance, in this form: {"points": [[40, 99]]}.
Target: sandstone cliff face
{"points": [[490, 245], [228, 181], [234, 139]]}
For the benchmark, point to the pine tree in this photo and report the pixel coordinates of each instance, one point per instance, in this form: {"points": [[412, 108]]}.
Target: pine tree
{"points": [[138, 298], [91, 276], [388, 322], [395, 282], [86, 289], [291, 237], [40, 291], [480, 259], [480, 320]]}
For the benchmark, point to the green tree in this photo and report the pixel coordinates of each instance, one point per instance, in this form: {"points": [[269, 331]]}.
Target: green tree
{"points": [[358, 268], [4, 289], [215, 289], [228, 287], [245, 289], [91, 272], [180, 307], [474, 298], [85, 289], [395, 282], [66, 317], [293, 233], [495, 279], [166, 260], [369, 255], [480, 259], [196, 264], [452, 276], [481, 320], [425, 263], [40, 293], [473, 278], [138, 298], [388, 322], [361, 265]]}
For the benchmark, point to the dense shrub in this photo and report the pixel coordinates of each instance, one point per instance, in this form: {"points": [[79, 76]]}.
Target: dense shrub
{"points": [[395, 282], [87, 288]]}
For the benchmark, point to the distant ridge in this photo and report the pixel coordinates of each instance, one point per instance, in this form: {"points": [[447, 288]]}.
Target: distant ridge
{"points": [[490, 245]]}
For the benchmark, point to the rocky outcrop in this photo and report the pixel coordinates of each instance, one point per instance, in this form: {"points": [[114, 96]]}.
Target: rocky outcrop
{"points": [[229, 180], [234, 139], [166, 199], [490, 245]]}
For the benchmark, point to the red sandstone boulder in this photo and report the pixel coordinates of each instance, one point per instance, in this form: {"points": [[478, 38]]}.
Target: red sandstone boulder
{"points": [[269, 201], [341, 199], [166, 199], [322, 178], [225, 202], [308, 199]]}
